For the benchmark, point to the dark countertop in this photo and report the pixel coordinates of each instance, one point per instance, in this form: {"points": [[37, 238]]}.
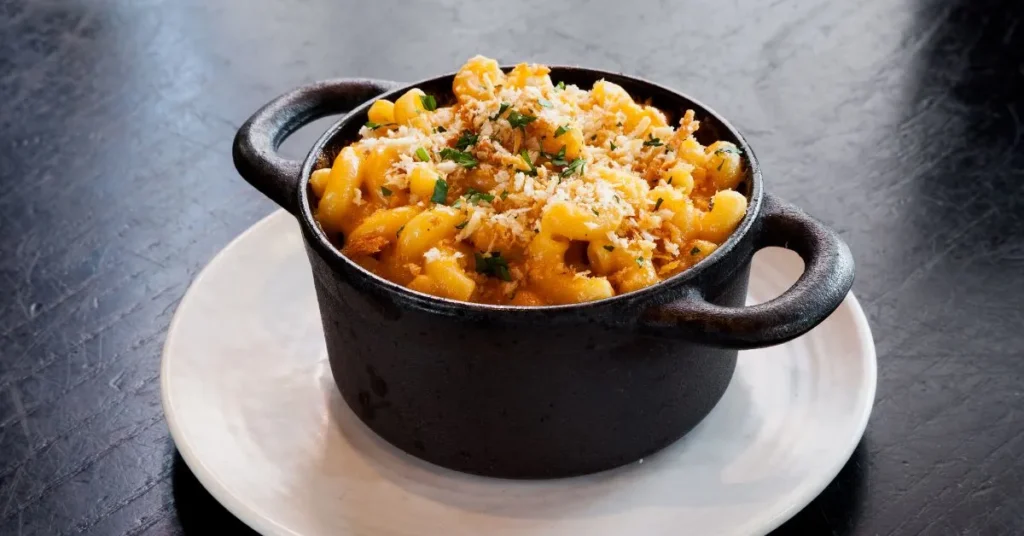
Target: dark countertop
{"points": [[897, 122]]}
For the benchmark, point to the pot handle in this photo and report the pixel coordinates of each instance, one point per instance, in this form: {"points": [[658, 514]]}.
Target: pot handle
{"points": [[256, 143], [827, 277]]}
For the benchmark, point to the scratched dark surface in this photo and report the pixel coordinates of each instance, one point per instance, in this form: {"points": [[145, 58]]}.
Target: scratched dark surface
{"points": [[897, 122]]}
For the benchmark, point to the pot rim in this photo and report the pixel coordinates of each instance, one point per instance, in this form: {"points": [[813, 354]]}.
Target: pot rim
{"points": [[665, 291]]}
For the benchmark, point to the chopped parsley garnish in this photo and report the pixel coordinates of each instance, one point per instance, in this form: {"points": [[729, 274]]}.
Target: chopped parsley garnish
{"points": [[384, 190], [670, 181], [465, 140], [399, 231], [658, 204], [461, 158], [526, 158], [462, 225], [639, 261], [651, 141], [611, 145], [544, 102], [429, 102], [576, 166], [561, 85], [518, 120], [374, 126], [609, 248], [501, 109], [695, 251], [440, 192], [616, 198], [422, 155], [474, 196], [561, 130], [440, 129], [558, 158], [729, 150], [492, 264], [596, 213], [504, 194], [619, 124]]}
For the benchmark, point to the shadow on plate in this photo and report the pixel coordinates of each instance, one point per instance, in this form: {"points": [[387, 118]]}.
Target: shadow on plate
{"points": [[598, 495], [198, 512], [837, 510]]}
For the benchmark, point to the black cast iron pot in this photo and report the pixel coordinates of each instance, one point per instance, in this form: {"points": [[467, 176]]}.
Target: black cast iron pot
{"points": [[545, 391]]}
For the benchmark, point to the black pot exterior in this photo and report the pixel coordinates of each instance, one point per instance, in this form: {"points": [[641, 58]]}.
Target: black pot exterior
{"points": [[516, 401], [540, 392]]}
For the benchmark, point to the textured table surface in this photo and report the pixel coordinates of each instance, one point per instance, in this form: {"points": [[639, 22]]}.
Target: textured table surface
{"points": [[897, 122]]}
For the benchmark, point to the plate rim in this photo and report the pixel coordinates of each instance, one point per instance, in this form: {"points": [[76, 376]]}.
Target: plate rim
{"points": [[209, 480], [266, 526], [870, 358]]}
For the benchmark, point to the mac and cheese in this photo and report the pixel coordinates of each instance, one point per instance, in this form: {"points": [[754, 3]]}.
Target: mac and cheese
{"points": [[525, 192]]}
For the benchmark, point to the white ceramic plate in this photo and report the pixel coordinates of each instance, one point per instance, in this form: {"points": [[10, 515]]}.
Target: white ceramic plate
{"points": [[252, 407]]}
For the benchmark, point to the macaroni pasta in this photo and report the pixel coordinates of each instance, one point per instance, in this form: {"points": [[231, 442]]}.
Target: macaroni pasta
{"points": [[525, 192]]}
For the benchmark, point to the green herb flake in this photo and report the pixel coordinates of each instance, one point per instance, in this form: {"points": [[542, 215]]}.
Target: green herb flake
{"points": [[561, 86], [711, 204], [639, 261], [670, 181], [609, 248], [465, 140], [504, 195], [576, 166], [596, 213], [440, 192], [695, 251], [440, 129], [474, 196], [561, 130], [619, 124], [652, 141], [461, 158], [492, 264], [526, 158], [399, 231], [518, 120], [544, 102], [611, 146], [385, 191], [422, 155], [616, 197], [462, 225], [727, 150], [594, 137], [501, 109], [429, 102], [371, 125], [658, 204], [558, 158]]}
